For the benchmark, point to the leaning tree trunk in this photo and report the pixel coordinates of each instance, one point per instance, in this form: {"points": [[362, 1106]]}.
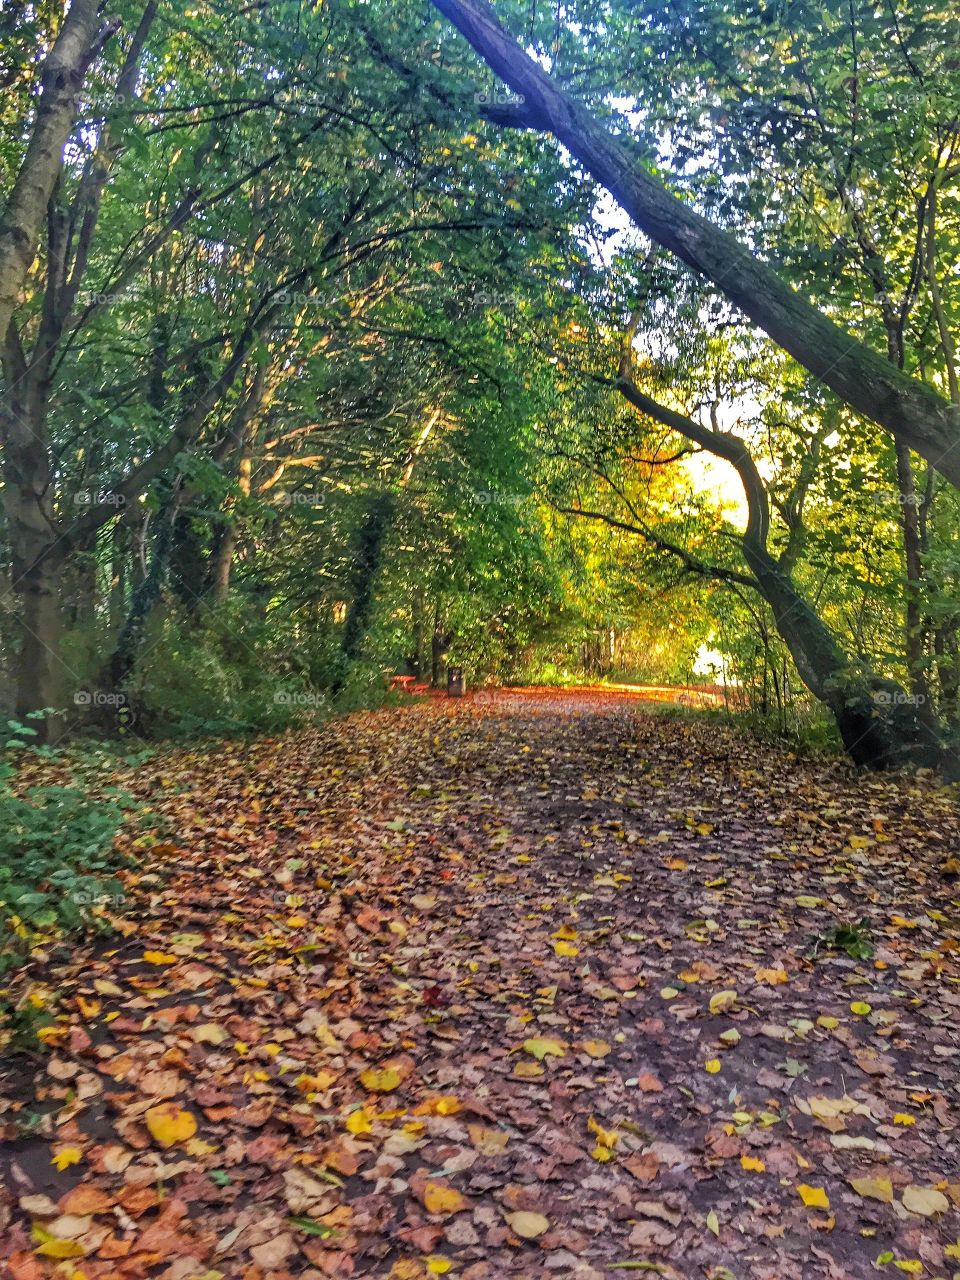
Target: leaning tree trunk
{"points": [[906, 407], [878, 723]]}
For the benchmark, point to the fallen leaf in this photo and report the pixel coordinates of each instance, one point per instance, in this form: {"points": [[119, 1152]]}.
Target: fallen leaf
{"points": [[813, 1197], [873, 1188], [440, 1199], [169, 1123], [925, 1201], [542, 1047], [528, 1225]]}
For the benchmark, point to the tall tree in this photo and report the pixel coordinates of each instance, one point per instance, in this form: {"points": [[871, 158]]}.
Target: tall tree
{"points": [[908, 408]]}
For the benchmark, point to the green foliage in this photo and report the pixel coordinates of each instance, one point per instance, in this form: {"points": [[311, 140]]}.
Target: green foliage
{"points": [[854, 939], [437, 306], [57, 856]]}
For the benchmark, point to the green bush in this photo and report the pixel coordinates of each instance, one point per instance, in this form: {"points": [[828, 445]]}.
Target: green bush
{"points": [[57, 856], [234, 674]]}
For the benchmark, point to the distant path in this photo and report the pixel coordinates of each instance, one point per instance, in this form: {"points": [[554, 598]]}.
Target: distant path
{"points": [[597, 697], [456, 988]]}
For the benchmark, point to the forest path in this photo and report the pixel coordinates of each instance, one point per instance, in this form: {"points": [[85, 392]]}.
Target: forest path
{"points": [[489, 990]]}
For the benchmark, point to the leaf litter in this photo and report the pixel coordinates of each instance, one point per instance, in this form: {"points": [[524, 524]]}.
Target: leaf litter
{"points": [[431, 991]]}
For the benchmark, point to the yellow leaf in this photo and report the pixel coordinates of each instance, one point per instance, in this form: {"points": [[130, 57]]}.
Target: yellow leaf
{"points": [[528, 1225], [208, 1033], [67, 1156], [873, 1189], [443, 1200], [197, 1147], [861, 1007], [542, 1046], [813, 1197], [106, 988], [489, 1142], [603, 1154], [61, 1249], [904, 1119], [713, 1223], [596, 1048], [528, 1071], [912, 1266], [437, 1264], [772, 977], [712, 1065], [169, 1124], [752, 1164], [859, 842], [159, 957], [566, 932], [358, 1122], [380, 1079], [722, 1001], [565, 949], [51, 1034], [605, 1137], [827, 1022], [953, 1251]]}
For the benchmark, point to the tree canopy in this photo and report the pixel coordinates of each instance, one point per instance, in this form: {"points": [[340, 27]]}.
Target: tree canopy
{"points": [[336, 344]]}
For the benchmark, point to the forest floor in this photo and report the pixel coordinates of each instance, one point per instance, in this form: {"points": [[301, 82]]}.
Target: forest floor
{"points": [[485, 990]]}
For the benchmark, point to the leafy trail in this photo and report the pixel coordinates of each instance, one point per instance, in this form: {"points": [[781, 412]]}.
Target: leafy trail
{"points": [[487, 990]]}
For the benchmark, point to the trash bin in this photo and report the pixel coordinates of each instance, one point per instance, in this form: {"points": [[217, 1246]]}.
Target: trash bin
{"points": [[454, 682]]}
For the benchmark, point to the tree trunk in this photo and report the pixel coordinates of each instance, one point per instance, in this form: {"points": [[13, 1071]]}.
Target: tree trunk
{"points": [[914, 626], [419, 633], [227, 546], [40, 674], [61, 80], [372, 539], [878, 724], [122, 662], [36, 580], [863, 379]]}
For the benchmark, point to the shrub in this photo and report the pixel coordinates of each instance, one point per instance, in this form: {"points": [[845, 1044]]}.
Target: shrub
{"points": [[57, 855]]}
